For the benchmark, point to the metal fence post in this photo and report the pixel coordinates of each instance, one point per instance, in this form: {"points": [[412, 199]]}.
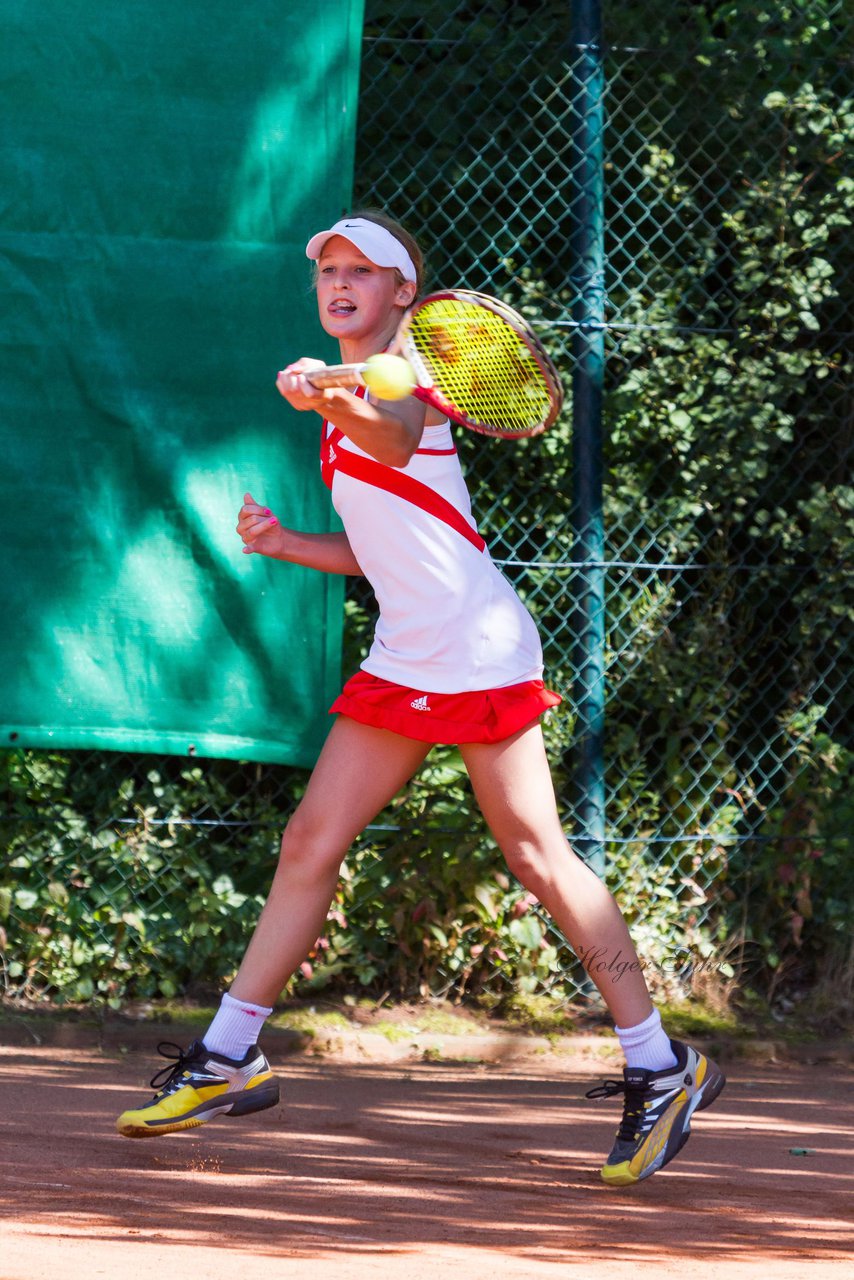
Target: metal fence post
{"points": [[588, 351]]}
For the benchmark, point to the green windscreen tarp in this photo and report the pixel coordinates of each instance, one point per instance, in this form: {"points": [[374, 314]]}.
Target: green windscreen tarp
{"points": [[161, 168]]}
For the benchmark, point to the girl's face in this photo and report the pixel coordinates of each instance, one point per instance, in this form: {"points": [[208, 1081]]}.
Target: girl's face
{"points": [[357, 300]]}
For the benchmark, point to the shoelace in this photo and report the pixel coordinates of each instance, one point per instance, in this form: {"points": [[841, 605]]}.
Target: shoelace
{"points": [[179, 1060], [633, 1108]]}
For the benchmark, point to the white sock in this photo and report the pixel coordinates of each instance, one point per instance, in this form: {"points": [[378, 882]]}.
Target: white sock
{"points": [[647, 1044], [235, 1028]]}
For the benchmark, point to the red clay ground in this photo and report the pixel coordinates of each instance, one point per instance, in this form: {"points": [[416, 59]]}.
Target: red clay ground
{"points": [[405, 1171]]}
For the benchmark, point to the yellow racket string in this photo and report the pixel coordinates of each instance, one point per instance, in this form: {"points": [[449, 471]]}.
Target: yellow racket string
{"points": [[481, 365]]}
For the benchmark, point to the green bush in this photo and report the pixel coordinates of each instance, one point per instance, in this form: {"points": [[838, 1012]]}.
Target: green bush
{"points": [[108, 891]]}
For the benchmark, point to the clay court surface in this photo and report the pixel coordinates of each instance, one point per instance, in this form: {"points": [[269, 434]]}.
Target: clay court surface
{"points": [[410, 1170]]}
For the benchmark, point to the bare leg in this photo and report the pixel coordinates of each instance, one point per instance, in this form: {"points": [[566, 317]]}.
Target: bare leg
{"points": [[360, 769], [513, 786]]}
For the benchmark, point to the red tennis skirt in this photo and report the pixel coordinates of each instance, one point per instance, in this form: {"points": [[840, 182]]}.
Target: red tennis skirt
{"points": [[486, 715]]}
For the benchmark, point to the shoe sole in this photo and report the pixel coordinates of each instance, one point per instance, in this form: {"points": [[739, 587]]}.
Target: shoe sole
{"points": [[243, 1103], [680, 1131]]}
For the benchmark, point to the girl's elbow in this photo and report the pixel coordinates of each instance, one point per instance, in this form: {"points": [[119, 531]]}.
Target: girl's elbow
{"points": [[405, 448], [397, 455], [403, 458]]}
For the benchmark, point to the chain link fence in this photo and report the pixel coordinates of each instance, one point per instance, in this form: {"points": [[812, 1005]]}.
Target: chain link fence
{"points": [[728, 534]]}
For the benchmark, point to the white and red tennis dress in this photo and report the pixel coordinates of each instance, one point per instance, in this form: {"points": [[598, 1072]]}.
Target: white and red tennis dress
{"points": [[456, 656]]}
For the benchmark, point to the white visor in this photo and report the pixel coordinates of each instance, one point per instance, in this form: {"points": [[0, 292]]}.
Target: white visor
{"points": [[378, 245]]}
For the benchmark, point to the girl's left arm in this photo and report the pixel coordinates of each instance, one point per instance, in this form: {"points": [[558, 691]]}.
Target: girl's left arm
{"points": [[389, 430]]}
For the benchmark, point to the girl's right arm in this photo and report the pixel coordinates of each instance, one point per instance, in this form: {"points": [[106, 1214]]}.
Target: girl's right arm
{"points": [[389, 431], [262, 534]]}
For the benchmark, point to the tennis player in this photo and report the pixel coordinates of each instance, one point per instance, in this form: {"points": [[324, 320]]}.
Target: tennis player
{"points": [[455, 658]]}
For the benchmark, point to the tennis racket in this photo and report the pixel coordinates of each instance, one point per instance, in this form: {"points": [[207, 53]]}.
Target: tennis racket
{"points": [[474, 359]]}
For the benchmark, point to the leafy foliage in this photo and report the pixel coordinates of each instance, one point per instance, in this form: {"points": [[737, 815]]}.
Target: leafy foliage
{"points": [[98, 904]]}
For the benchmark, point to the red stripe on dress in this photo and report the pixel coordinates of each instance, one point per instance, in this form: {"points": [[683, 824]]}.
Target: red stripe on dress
{"points": [[369, 471], [420, 495], [328, 456]]}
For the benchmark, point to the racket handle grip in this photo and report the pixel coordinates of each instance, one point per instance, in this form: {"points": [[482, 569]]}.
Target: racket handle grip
{"points": [[337, 375]]}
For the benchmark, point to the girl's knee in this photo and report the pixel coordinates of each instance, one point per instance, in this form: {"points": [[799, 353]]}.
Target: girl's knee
{"points": [[528, 865], [308, 847], [536, 865]]}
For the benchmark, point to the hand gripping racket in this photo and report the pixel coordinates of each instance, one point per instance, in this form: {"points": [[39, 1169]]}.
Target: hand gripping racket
{"points": [[474, 359]]}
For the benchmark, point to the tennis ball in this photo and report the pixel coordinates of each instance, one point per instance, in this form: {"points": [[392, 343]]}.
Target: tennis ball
{"points": [[389, 377]]}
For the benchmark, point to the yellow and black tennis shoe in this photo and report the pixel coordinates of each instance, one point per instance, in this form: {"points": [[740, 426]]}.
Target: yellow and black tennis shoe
{"points": [[657, 1113], [199, 1085]]}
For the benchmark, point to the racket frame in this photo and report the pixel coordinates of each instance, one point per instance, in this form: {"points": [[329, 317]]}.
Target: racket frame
{"points": [[427, 391]]}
